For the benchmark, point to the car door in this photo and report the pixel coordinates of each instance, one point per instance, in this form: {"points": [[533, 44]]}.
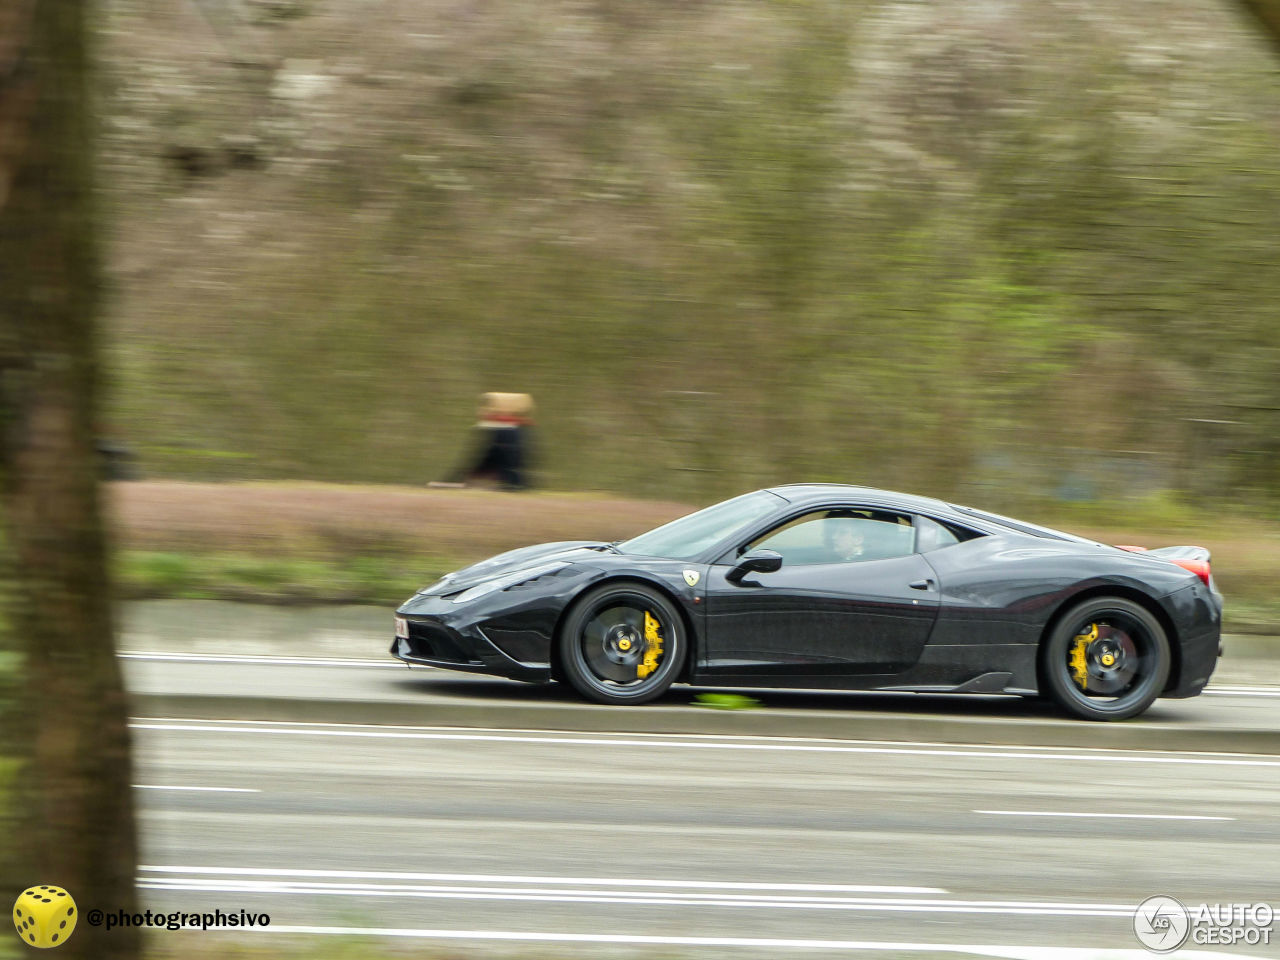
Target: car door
{"points": [[852, 597]]}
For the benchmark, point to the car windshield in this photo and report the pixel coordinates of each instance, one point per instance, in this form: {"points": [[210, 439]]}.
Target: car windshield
{"points": [[689, 536]]}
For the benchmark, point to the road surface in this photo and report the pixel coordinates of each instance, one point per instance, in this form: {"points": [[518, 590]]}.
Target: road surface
{"points": [[518, 842]]}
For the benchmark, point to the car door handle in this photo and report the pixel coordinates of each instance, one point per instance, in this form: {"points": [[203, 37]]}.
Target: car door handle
{"points": [[921, 585]]}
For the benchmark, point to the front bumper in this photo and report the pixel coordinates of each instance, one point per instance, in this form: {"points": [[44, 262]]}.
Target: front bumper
{"points": [[498, 663], [442, 635]]}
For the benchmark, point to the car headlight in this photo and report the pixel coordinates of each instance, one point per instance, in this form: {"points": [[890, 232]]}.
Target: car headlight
{"points": [[510, 580]]}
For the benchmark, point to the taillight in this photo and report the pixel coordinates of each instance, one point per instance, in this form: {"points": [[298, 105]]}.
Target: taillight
{"points": [[1199, 567]]}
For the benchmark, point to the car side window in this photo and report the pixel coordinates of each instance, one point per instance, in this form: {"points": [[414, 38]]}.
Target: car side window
{"points": [[932, 535], [840, 536]]}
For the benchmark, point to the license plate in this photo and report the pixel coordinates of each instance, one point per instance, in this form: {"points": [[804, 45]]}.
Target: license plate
{"points": [[402, 628]]}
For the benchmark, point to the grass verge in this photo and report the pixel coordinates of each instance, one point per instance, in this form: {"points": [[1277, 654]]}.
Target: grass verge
{"points": [[325, 543], [153, 575]]}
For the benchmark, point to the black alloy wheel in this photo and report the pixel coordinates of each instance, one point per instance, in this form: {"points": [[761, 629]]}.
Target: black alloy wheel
{"points": [[1106, 659], [622, 643]]}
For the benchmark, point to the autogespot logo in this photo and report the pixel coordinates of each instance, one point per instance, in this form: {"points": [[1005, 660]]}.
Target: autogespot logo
{"points": [[1161, 924]]}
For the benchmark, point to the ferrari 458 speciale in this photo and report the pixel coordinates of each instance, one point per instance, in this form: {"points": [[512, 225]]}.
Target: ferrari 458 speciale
{"points": [[835, 587]]}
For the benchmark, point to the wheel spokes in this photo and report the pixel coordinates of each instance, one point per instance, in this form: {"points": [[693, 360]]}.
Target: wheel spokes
{"points": [[606, 669], [1104, 660], [614, 645], [593, 633]]}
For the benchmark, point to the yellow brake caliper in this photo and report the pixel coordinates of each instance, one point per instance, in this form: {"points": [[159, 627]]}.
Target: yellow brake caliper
{"points": [[652, 647], [1079, 666]]}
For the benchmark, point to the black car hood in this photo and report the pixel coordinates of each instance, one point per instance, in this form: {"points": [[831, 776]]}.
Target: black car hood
{"points": [[515, 560]]}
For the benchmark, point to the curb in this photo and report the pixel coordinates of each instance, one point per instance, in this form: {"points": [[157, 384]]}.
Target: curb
{"points": [[851, 724]]}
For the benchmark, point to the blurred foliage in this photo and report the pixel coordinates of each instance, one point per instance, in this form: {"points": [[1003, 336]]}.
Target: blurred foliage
{"points": [[200, 575], [963, 249], [263, 542], [726, 701]]}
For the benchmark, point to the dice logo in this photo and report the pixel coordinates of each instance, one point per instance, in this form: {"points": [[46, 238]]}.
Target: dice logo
{"points": [[44, 916]]}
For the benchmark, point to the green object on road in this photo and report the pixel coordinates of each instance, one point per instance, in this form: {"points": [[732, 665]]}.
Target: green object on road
{"points": [[726, 701]]}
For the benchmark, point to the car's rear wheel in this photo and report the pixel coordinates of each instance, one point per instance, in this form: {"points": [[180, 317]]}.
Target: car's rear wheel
{"points": [[1106, 659], [622, 643]]}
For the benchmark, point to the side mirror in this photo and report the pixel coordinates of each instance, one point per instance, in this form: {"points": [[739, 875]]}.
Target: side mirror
{"points": [[757, 561]]}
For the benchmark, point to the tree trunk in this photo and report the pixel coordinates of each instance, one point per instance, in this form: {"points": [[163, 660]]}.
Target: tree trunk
{"points": [[1267, 14], [75, 817]]}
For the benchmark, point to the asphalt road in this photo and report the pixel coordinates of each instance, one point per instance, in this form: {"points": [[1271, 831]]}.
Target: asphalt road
{"points": [[370, 689], [597, 842], [778, 842]]}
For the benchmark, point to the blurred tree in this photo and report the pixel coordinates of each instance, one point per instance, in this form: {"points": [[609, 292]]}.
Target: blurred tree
{"points": [[1267, 12], [72, 791]]}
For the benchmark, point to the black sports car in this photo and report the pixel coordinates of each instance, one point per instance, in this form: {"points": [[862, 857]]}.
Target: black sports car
{"points": [[832, 586]]}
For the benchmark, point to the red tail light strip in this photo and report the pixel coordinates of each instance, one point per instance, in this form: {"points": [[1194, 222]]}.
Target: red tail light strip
{"points": [[1199, 567]]}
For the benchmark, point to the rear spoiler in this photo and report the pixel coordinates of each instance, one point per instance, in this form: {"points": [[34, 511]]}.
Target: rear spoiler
{"points": [[1195, 559]]}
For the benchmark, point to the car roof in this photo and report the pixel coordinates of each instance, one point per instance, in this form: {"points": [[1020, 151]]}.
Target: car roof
{"points": [[816, 494], [805, 494]]}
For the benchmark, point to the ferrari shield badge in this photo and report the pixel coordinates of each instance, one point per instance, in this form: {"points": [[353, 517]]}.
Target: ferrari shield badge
{"points": [[691, 577]]}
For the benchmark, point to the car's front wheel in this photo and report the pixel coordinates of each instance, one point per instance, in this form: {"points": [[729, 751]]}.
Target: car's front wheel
{"points": [[622, 643], [1106, 659]]}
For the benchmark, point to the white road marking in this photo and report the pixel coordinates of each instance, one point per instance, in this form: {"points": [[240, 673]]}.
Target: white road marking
{"points": [[1092, 816], [688, 743], [727, 737], [1009, 952], [154, 786], [518, 829], [1228, 692], [518, 878], [703, 901], [648, 897]]}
